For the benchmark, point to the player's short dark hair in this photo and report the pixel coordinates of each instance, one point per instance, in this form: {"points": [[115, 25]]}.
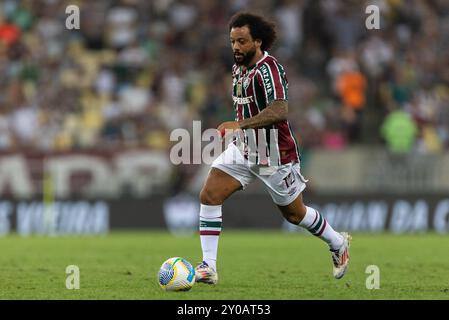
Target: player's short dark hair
{"points": [[259, 28]]}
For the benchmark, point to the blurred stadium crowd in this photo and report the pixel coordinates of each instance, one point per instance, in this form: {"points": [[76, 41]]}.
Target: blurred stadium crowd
{"points": [[138, 69]]}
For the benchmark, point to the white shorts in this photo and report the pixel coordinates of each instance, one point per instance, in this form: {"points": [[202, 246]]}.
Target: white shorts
{"points": [[284, 182]]}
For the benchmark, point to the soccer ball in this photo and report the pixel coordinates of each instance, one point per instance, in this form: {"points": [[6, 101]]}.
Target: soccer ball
{"points": [[176, 274]]}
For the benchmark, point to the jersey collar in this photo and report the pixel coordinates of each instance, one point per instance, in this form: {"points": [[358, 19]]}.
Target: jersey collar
{"points": [[265, 54]]}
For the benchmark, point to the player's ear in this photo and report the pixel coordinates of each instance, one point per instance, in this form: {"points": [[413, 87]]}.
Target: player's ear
{"points": [[258, 43]]}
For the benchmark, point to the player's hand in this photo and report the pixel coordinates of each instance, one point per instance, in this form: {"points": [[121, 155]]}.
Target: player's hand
{"points": [[227, 128]]}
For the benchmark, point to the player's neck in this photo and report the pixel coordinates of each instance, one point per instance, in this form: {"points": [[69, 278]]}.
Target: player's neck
{"points": [[259, 55]]}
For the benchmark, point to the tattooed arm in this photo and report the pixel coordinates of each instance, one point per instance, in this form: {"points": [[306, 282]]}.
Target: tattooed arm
{"points": [[275, 112]]}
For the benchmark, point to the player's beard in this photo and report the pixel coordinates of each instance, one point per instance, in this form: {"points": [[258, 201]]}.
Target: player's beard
{"points": [[246, 58]]}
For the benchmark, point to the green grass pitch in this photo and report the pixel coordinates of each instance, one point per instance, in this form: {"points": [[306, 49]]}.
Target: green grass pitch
{"points": [[251, 265]]}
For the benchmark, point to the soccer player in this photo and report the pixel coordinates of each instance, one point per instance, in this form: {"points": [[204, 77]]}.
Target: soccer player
{"points": [[260, 95]]}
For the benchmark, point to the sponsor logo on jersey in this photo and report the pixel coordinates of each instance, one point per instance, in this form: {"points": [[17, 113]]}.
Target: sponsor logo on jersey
{"points": [[242, 100], [266, 79]]}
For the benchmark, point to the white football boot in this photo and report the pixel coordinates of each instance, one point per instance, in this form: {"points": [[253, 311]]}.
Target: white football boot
{"points": [[340, 257], [205, 274]]}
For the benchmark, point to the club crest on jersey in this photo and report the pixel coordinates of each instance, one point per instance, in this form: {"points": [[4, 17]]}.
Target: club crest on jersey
{"points": [[239, 88], [246, 82]]}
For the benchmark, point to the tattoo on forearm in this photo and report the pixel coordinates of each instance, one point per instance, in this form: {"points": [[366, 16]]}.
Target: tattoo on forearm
{"points": [[275, 112]]}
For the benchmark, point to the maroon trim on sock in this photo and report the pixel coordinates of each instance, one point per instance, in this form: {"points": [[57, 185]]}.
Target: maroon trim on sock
{"points": [[322, 229], [209, 233], [314, 220]]}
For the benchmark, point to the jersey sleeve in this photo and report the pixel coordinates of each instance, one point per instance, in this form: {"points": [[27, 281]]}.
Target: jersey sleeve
{"points": [[273, 81]]}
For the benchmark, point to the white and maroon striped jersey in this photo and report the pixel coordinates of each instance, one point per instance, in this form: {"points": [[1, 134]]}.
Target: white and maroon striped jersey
{"points": [[253, 90]]}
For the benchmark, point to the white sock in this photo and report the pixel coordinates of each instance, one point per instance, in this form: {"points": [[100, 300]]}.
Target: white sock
{"points": [[315, 223], [210, 229]]}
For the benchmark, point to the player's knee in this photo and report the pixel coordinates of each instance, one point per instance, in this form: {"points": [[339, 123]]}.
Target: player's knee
{"points": [[210, 198], [293, 218]]}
